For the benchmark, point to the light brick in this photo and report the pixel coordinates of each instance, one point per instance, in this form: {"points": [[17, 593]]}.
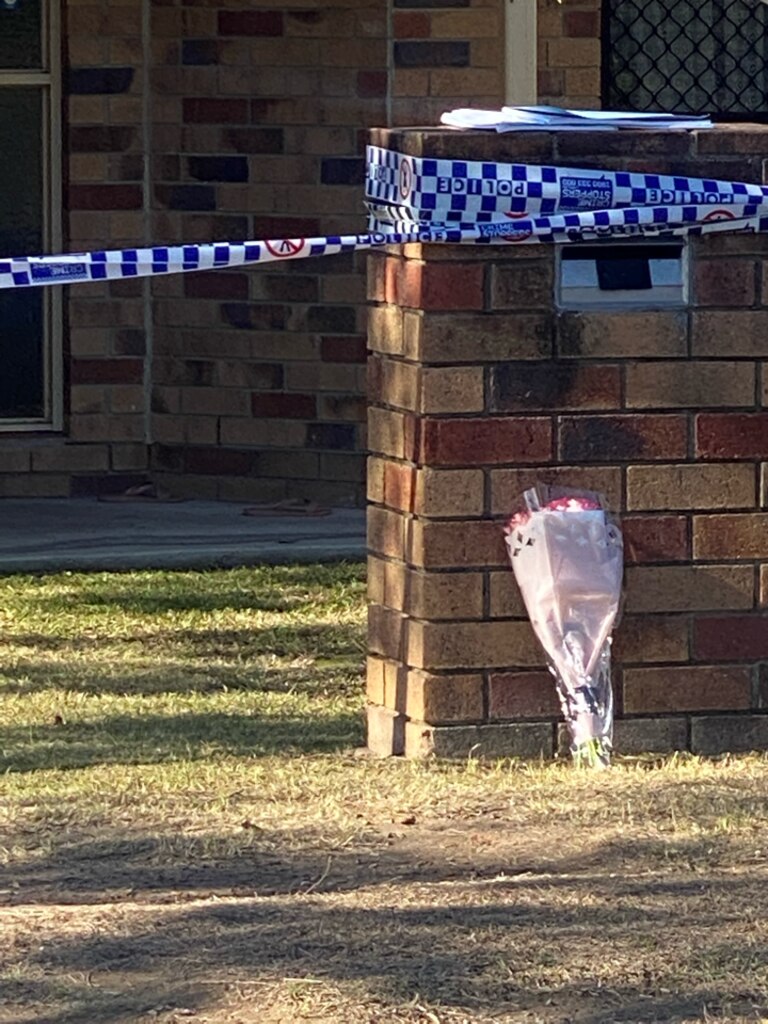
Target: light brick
{"points": [[448, 493], [458, 389], [689, 588], [732, 536], [691, 486], [508, 485], [425, 595], [659, 385], [436, 699], [573, 53], [506, 601], [385, 732], [446, 545], [385, 330], [390, 433], [472, 645]]}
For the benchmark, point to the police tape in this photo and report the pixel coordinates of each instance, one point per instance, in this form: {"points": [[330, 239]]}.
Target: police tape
{"points": [[457, 202]]}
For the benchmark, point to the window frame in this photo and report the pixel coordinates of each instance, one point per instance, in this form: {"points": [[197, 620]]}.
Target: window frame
{"points": [[48, 79]]}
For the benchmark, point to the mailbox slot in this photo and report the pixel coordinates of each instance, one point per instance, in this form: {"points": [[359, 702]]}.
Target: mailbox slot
{"points": [[620, 276]]}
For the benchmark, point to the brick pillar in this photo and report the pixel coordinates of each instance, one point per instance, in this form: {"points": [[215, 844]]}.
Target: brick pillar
{"points": [[479, 387]]}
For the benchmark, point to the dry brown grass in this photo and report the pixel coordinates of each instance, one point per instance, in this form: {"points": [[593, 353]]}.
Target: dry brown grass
{"points": [[152, 880]]}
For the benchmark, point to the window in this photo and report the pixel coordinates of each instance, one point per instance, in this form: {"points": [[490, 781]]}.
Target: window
{"points": [[687, 56], [30, 318]]}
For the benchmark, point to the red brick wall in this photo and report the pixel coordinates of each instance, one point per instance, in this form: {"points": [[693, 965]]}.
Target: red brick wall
{"points": [[257, 114], [480, 388]]}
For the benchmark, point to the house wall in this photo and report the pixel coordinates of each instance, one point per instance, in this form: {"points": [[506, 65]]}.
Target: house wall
{"points": [[252, 117]]}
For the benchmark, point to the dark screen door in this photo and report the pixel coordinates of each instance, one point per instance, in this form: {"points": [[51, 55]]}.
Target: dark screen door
{"points": [[23, 116]]}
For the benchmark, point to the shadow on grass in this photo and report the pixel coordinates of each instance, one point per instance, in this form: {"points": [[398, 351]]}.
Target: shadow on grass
{"points": [[568, 942], [184, 661], [154, 739]]}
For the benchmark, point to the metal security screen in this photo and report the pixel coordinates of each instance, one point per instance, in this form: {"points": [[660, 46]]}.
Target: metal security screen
{"points": [[686, 56]]}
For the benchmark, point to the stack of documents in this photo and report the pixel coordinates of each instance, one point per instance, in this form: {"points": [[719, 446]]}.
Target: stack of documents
{"points": [[538, 119]]}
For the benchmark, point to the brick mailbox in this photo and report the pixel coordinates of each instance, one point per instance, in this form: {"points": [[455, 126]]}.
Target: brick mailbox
{"points": [[482, 382]]}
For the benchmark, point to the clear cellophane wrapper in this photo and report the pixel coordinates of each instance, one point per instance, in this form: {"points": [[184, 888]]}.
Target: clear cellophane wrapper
{"points": [[567, 554]]}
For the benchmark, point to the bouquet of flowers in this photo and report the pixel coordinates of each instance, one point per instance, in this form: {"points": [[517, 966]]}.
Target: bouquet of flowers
{"points": [[567, 555]]}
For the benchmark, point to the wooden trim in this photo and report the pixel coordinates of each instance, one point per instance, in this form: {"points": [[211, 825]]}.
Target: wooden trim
{"points": [[520, 51]]}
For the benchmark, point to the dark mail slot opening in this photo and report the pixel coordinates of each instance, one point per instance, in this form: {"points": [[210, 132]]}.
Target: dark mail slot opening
{"points": [[630, 273], [623, 267]]}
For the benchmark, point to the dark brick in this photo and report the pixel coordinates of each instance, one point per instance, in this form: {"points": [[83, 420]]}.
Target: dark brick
{"points": [[284, 406], [411, 26], [460, 442], [250, 316], [736, 734], [266, 376], [130, 341], [99, 81], [128, 288], [584, 24], [199, 51], [167, 457], [340, 319], [307, 17], [254, 140], [286, 227], [352, 349], [372, 83], [522, 695], [731, 638], [219, 461], [100, 138], [732, 435], [130, 166], [655, 539], [107, 371], [430, 54], [185, 372], [88, 485], [432, 3], [621, 438], [342, 170], [549, 385], [221, 228], [218, 168], [186, 197], [104, 197], [207, 110], [288, 287], [332, 436], [216, 284], [251, 23]]}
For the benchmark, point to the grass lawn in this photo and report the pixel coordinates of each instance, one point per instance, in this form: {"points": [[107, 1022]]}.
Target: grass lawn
{"points": [[188, 832]]}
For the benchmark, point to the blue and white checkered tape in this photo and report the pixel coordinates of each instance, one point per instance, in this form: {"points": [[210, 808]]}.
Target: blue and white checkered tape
{"points": [[414, 199]]}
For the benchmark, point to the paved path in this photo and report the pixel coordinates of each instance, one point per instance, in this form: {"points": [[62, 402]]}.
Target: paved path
{"points": [[47, 534]]}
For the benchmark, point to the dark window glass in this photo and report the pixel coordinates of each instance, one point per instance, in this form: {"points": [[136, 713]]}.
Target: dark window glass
{"points": [[22, 350], [686, 56], [20, 34]]}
